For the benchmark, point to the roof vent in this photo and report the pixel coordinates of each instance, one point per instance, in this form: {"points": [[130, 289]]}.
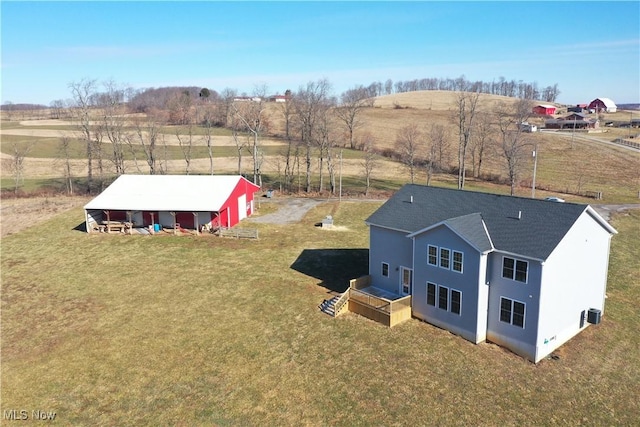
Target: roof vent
{"points": [[516, 216], [410, 199]]}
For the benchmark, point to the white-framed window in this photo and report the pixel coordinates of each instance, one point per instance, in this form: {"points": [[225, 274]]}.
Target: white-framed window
{"points": [[445, 254], [385, 269], [512, 312], [457, 261], [515, 269], [431, 294], [432, 255], [445, 258], [443, 298], [456, 301]]}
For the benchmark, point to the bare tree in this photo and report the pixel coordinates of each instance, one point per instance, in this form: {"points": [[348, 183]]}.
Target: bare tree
{"points": [[352, 102], [67, 170], [227, 97], [57, 108], [408, 140], [293, 147], [207, 122], [514, 145], [466, 103], [112, 104], [369, 160], [308, 102], [240, 143], [83, 93], [438, 141], [186, 144], [148, 136], [16, 164], [482, 137], [179, 107], [326, 142], [252, 114]]}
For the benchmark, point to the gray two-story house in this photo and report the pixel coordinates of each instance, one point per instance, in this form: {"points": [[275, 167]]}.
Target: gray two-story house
{"points": [[524, 273]]}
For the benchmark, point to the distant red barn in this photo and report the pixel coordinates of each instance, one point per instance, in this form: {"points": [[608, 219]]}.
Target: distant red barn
{"points": [[190, 201], [603, 105], [544, 109]]}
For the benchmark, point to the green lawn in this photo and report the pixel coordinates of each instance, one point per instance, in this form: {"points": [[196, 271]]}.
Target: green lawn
{"points": [[142, 330]]}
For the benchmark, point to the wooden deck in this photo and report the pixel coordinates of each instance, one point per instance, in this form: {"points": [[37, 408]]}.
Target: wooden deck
{"points": [[377, 304]]}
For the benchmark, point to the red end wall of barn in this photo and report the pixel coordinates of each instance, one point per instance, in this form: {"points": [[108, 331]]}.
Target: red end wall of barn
{"points": [[229, 215]]}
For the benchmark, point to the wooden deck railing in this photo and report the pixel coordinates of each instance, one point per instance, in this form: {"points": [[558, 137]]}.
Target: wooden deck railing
{"points": [[382, 310], [340, 302]]}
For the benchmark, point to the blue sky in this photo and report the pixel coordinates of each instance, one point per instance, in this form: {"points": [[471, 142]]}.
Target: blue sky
{"points": [[590, 49]]}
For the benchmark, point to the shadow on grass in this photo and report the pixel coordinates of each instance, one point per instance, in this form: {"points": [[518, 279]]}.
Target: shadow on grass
{"points": [[333, 267], [81, 227]]}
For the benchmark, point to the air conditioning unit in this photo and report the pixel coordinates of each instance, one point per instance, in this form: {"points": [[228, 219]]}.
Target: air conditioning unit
{"points": [[593, 316]]}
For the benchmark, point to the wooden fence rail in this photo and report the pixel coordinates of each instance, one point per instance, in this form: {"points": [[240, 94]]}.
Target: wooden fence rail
{"points": [[238, 233]]}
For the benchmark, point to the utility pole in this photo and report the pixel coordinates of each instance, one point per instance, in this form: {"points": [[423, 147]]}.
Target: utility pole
{"points": [[535, 167], [340, 186]]}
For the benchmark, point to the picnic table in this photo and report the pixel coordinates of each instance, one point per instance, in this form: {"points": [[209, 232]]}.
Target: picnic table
{"points": [[119, 226]]}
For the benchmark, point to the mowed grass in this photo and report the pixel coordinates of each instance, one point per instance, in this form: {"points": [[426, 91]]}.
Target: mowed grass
{"points": [[141, 330]]}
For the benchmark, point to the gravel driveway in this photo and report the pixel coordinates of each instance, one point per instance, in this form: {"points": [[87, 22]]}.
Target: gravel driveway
{"points": [[289, 211]]}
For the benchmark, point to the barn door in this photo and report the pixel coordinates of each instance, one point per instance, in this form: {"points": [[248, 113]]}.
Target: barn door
{"points": [[242, 207]]}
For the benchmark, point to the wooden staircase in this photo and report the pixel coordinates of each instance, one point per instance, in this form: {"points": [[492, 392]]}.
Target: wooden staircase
{"points": [[336, 305]]}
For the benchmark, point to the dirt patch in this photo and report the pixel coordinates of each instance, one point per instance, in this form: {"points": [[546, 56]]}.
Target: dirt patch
{"points": [[18, 214]]}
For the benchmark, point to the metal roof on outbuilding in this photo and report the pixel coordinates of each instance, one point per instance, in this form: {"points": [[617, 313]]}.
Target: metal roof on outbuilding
{"points": [[192, 193]]}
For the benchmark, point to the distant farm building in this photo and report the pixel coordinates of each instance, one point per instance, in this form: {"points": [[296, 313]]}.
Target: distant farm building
{"points": [[279, 98], [528, 127], [544, 109], [603, 105], [579, 108], [572, 121], [191, 202]]}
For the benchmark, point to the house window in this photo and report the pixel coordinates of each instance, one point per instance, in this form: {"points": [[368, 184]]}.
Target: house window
{"points": [[456, 301], [432, 255], [444, 258], [521, 271], [457, 261], [512, 312], [515, 269], [443, 298], [385, 269], [431, 294]]}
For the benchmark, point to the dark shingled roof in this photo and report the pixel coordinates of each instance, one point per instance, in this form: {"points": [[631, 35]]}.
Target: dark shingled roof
{"points": [[470, 227], [528, 227]]}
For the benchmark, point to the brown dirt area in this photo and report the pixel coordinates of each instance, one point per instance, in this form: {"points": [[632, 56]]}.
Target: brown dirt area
{"points": [[17, 214]]}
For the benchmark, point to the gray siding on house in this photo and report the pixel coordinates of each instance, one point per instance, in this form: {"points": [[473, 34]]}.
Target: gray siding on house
{"points": [[393, 248], [467, 282], [520, 340], [565, 246]]}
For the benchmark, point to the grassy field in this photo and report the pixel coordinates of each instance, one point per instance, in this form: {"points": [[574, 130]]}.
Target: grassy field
{"points": [[133, 330]]}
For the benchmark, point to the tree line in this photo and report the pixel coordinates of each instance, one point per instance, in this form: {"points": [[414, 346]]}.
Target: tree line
{"points": [[317, 125]]}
